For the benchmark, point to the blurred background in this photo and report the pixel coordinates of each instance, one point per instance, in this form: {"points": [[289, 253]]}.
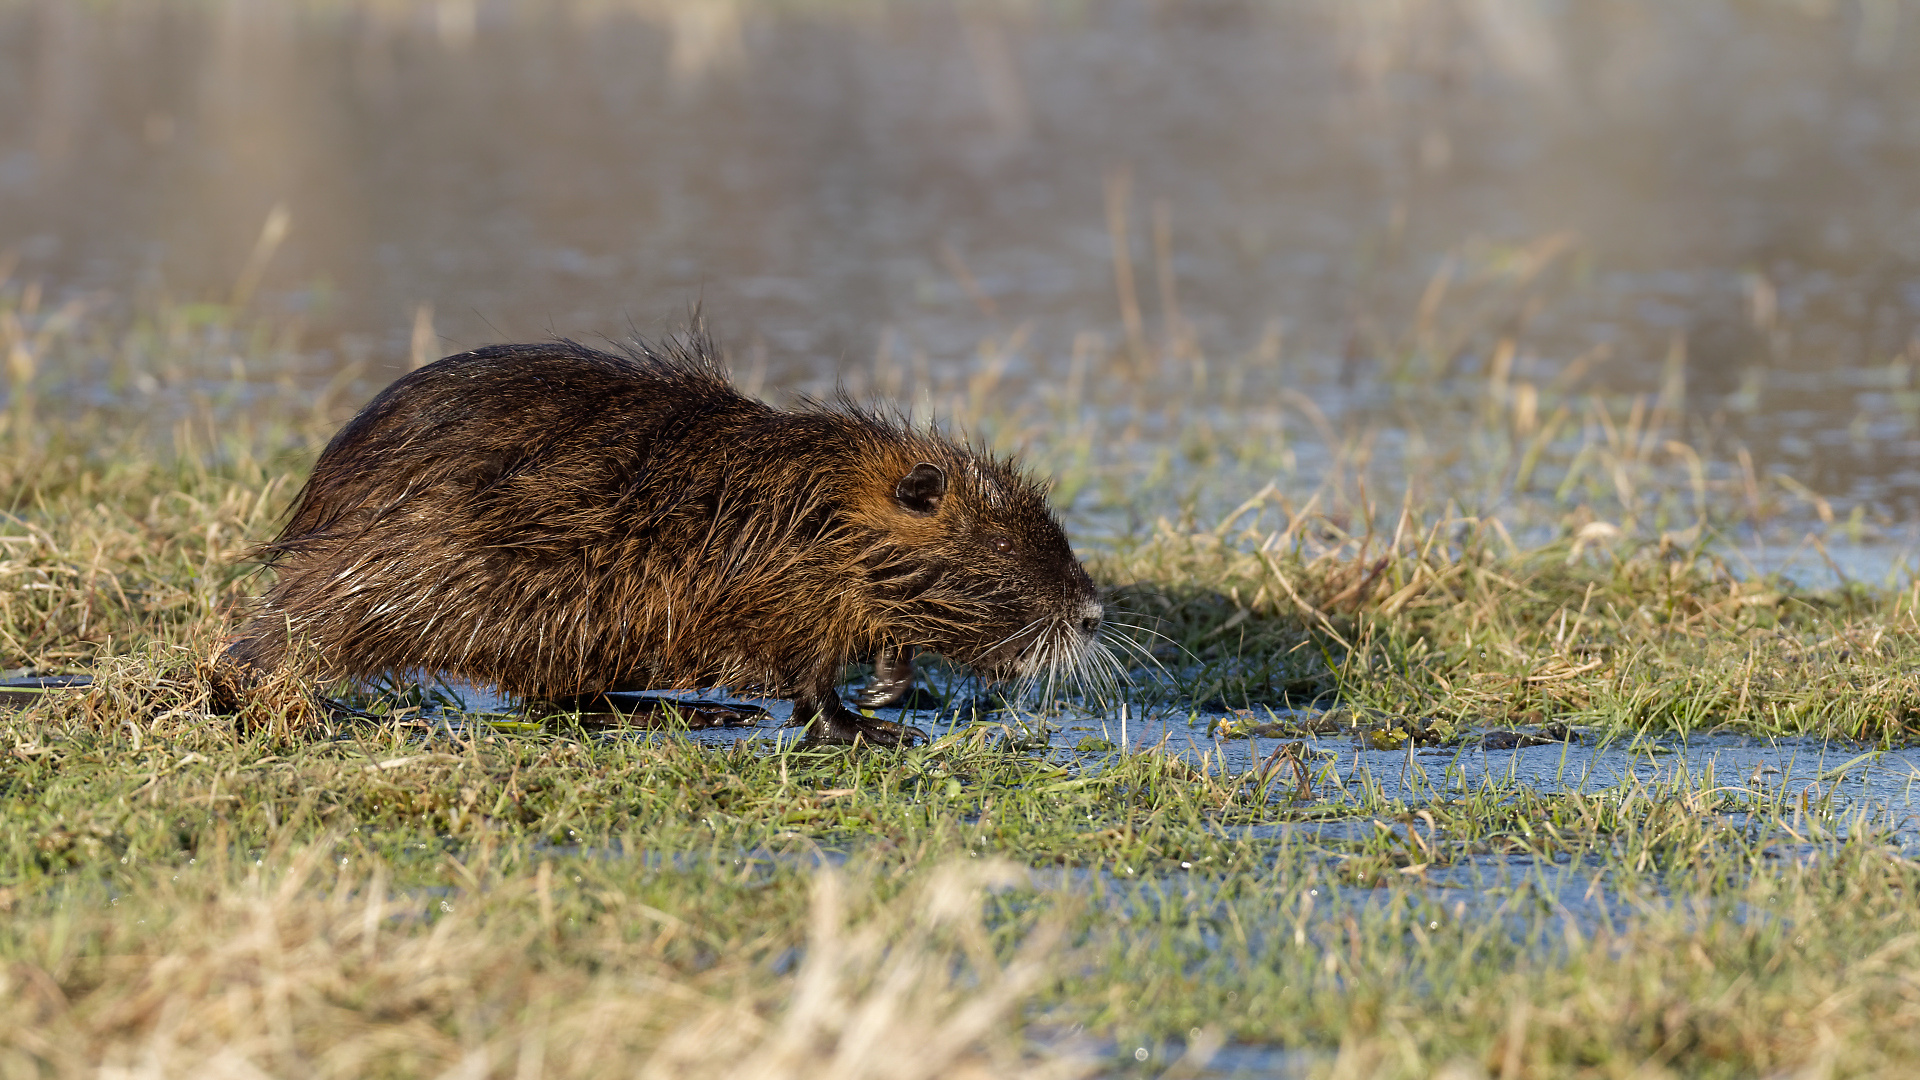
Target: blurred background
{"points": [[1648, 264]]}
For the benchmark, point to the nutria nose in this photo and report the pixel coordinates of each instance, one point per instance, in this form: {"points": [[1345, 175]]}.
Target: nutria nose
{"points": [[1090, 618]]}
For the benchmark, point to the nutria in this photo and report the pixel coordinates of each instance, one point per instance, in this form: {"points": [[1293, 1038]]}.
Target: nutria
{"points": [[561, 521]]}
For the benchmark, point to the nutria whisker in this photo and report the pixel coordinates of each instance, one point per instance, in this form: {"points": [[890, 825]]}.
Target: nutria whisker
{"points": [[1109, 676], [1120, 632], [1011, 637], [1140, 650]]}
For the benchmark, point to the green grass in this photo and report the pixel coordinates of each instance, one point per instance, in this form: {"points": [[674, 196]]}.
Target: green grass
{"points": [[299, 895], [1469, 631], [529, 888]]}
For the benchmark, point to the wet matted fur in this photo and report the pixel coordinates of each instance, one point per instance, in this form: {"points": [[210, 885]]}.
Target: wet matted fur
{"points": [[559, 521]]}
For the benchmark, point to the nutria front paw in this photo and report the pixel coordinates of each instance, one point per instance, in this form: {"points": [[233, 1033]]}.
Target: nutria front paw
{"points": [[845, 728]]}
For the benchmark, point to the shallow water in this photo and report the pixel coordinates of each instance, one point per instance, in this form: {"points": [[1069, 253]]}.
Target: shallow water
{"points": [[1882, 787]]}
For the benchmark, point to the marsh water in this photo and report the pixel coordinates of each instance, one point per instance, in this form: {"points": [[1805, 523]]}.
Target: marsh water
{"points": [[1348, 767], [1308, 199]]}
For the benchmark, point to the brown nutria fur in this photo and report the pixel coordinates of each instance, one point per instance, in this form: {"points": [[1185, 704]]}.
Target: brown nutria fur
{"points": [[561, 521]]}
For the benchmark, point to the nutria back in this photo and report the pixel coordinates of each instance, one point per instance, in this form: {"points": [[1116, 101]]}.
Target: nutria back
{"points": [[561, 521]]}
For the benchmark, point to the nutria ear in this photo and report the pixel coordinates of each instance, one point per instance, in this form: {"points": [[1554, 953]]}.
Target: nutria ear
{"points": [[922, 489]]}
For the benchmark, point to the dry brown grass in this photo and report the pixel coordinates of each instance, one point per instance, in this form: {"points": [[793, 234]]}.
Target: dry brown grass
{"points": [[292, 967]]}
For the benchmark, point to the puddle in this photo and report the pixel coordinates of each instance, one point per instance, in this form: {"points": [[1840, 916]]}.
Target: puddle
{"points": [[21, 688], [1169, 1058], [1344, 759], [1241, 1060], [1343, 765]]}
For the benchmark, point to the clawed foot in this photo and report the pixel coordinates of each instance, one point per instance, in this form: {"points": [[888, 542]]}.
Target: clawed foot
{"points": [[845, 728]]}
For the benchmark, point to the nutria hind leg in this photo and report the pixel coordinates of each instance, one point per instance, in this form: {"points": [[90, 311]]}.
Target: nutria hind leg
{"points": [[237, 670], [830, 723], [892, 677]]}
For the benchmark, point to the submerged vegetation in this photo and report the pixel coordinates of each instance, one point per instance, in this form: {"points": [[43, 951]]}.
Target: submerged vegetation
{"points": [[409, 893]]}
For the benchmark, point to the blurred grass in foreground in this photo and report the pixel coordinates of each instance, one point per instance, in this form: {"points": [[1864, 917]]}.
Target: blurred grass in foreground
{"points": [[306, 897]]}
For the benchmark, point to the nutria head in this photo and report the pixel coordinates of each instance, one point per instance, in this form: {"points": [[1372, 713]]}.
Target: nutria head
{"points": [[965, 558]]}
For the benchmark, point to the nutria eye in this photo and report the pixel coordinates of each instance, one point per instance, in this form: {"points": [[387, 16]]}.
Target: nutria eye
{"points": [[1003, 543]]}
